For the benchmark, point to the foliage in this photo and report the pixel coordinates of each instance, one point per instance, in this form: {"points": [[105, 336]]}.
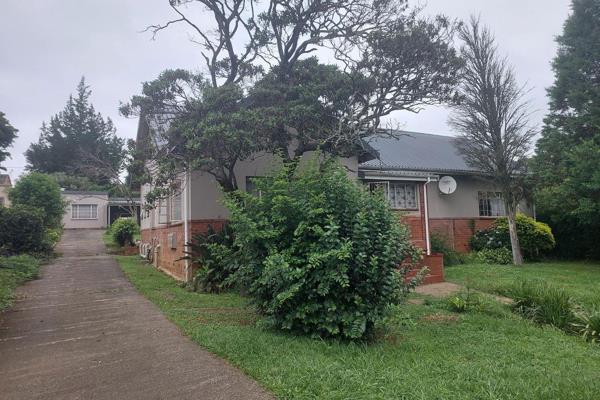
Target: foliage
{"points": [[499, 256], [318, 253], [587, 324], [492, 119], [535, 238], [520, 359], [567, 161], [73, 182], [123, 231], [213, 253], [22, 230], [439, 244], [14, 271], [7, 135], [543, 303], [466, 301], [210, 122], [40, 191], [76, 140]]}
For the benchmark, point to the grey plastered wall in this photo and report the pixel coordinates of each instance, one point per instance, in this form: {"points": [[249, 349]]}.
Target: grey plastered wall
{"points": [[463, 203], [206, 196]]}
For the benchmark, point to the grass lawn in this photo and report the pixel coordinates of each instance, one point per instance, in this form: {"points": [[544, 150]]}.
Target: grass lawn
{"points": [[581, 280], [13, 272], [425, 353]]}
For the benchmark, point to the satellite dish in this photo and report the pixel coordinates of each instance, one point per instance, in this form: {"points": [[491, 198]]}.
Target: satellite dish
{"points": [[447, 185]]}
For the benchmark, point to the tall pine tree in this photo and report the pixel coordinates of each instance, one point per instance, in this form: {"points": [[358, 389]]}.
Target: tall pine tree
{"points": [[76, 139], [567, 161]]}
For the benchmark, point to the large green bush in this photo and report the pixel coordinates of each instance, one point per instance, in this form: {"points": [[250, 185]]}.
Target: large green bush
{"points": [[123, 231], [319, 254], [22, 231], [213, 253], [535, 238], [40, 191]]}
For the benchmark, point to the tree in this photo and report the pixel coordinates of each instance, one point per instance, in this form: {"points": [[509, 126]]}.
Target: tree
{"points": [[73, 135], [40, 191], [7, 135], [211, 123], [492, 120], [567, 161]]}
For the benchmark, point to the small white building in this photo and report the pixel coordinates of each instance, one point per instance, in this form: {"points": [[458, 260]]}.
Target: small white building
{"points": [[85, 210]]}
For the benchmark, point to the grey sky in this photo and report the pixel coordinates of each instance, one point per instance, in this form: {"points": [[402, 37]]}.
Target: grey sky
{"points": [[47, 45]]}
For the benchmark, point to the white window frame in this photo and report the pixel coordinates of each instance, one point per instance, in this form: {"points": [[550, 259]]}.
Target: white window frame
{"points": [[388, 185], [163, 212], [177, 198], [76, 211], [495, 204]]}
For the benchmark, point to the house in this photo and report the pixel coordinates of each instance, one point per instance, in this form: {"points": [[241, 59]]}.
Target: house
{"points": [[95, 210], [423, 176], [5, 185]]}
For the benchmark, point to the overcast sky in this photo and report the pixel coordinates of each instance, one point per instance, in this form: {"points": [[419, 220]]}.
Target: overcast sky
{"points": [[47, 45]]}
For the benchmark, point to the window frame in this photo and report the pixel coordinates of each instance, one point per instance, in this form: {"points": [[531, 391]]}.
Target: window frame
{"points": [[388, 185], [163, 206], [172, 208], [75, 215], [486, 211]]}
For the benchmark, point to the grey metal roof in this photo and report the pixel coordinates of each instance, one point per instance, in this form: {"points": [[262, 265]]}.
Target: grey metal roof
{"points": [[414, 151], [85, 192]]}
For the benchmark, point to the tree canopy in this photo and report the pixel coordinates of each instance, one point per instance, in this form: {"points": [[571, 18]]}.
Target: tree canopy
{"points": [[75, 139], [40, 191], [567, 161], [7, 135], [265, 89]]}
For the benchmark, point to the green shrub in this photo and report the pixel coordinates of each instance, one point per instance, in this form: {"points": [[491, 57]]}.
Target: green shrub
{"points": [[535, 238], [40, 191], [22, 231], [439, 244], [543, 303], [500, 256], [587, 324], [123, 231], [14, 271], [319, 254], [214, 254], [465, 301]]}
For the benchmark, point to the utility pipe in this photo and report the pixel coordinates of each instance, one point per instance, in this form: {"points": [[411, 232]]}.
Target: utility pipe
{"points": [[186, 237], [426, 205]]}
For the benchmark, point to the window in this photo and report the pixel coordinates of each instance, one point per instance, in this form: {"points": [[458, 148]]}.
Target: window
{"points": [[176, 207], [491, 204], [401, 196], [162, 212], [1, 201], [84, 211]]}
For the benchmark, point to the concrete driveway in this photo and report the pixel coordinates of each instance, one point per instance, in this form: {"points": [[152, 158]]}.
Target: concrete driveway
{"points": [[83, 332]]}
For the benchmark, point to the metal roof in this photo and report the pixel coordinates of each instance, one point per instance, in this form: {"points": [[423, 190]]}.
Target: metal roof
{"points": [[415, 151]]}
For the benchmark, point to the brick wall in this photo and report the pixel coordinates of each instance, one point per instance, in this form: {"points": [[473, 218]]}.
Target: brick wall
{"points": [[435, 264], [458, 231], [169, 259]]}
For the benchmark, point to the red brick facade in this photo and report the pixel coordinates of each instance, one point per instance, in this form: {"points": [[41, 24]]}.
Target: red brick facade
{"points": [[458, 231], [170, 260]]}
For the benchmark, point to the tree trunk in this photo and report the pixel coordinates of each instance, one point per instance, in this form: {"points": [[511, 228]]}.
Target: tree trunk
{"points": [[514, 238]]}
